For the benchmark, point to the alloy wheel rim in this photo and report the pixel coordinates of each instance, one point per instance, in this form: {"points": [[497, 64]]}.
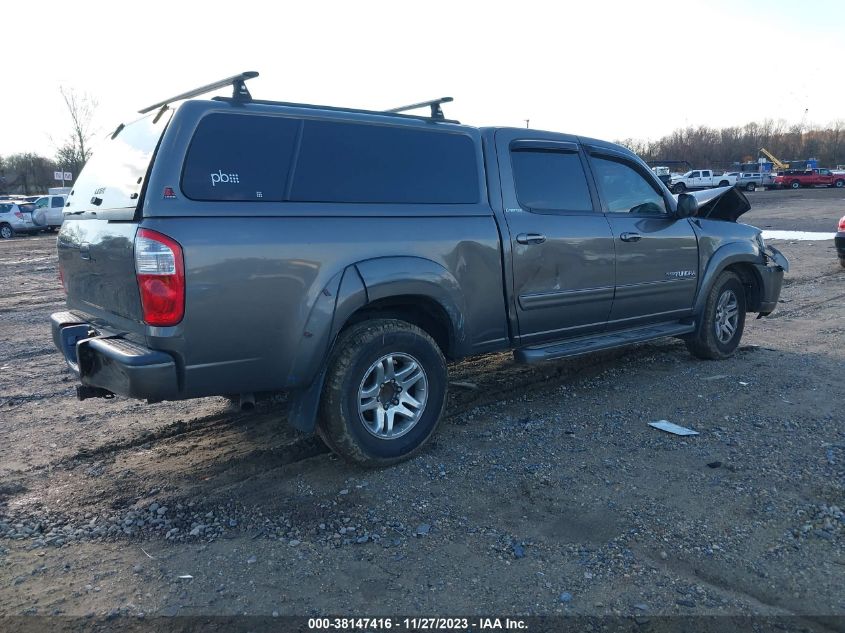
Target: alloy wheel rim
{"points": [[727, 316], [392, 396]]}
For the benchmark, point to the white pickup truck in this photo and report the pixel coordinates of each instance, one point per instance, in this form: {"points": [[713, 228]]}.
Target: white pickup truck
{"points": [[702, 179], [49, 211]]}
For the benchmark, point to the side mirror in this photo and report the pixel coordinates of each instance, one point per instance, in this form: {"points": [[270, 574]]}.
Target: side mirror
{"points": [[687, 206]]}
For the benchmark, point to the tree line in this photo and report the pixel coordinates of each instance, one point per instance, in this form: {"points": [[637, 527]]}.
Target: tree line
{"points": [[29, 173], [725, 148]]}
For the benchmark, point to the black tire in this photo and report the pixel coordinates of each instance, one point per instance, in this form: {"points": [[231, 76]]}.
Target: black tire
{"points": [[842, 262], [839, 183], [750, 186], [355, 353], [724, 183], [679, 188], [6, 231], [795, 184], [704, 342]]}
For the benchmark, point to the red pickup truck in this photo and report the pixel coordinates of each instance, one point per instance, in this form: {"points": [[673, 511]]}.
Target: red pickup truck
{"points": [[810, 178]]}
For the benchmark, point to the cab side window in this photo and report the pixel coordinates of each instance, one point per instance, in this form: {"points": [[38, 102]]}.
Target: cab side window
{"points": [[57, 202], [548, 180], [625, 190]]}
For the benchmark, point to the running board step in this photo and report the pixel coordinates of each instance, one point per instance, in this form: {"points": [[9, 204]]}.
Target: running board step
{"points": [[597, 342]]}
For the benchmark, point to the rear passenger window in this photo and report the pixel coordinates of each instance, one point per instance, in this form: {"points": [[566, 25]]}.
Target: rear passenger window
{"points": [[348, 162], [57, 202], [240, 157], [548, 180]]}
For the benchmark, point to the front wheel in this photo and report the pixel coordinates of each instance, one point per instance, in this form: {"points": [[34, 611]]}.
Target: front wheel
{"points": [[750, 186], [720, 328], [679, 188], [795, 184], [385, 392]]}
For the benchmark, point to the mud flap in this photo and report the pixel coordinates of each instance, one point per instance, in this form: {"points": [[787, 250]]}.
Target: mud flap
{"points": [[304, 404]]}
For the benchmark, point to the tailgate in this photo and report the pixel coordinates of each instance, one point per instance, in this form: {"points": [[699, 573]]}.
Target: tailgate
{"points": [[96, 242], [97, 261]]}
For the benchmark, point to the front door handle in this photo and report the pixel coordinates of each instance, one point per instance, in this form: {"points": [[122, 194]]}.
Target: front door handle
{"points": [[630, 237], [530, 238]]}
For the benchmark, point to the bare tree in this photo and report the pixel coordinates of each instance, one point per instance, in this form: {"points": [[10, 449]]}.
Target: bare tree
{"points": [[27, 173], [76, 150]]}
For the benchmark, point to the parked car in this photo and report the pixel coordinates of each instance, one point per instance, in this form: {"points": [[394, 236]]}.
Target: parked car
{"points": [[663, 174], [16, 217], [702, 179], [397, 242], [839, 241], [795, 179], [49, 211], [751, 180]]}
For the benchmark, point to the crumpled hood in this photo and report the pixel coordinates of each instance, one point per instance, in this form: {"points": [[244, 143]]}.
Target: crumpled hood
{"points": [[723, 203]]}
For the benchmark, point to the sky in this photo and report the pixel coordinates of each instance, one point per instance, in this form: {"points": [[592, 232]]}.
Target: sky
{"points": [[606, 69]]}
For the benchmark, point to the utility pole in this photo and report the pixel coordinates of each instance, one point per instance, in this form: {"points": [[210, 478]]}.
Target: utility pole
{"points": [[526, 122]]}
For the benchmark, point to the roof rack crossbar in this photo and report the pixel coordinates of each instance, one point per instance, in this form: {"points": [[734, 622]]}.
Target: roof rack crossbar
{"points": [[239, 90], [434, 104]]}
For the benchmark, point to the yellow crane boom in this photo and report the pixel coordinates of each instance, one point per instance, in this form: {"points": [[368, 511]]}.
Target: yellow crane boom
{"points": [[779, 165]]}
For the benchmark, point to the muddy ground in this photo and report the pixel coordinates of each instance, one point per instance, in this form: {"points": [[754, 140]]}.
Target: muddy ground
{"points": [[544, 493]]}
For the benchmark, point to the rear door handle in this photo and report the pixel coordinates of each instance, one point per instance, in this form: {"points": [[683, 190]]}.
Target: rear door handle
{"points": [[630, 237], [530, 238]]}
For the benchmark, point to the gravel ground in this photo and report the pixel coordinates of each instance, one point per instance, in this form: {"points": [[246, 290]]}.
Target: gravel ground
{"points": [[545, 492]]}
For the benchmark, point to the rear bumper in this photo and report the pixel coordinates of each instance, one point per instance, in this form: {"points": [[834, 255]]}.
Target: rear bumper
{"points": [[114, 363]]}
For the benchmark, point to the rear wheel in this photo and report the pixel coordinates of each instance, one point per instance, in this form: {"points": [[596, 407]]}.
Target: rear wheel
{"points": [[721, 325], [679, 188], [750, 186], [385, 392], [839, 183], [795, 184], [6, 231], [724, 183]]}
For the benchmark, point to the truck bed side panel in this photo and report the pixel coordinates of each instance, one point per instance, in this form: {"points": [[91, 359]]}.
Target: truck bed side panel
{"points": [[253, 282]]}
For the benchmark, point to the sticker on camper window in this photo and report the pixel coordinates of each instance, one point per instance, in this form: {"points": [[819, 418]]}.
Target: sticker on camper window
{"points": [[220, 177]]}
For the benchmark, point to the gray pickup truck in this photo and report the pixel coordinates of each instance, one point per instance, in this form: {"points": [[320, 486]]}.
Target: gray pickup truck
{"points": [[233, 246]]}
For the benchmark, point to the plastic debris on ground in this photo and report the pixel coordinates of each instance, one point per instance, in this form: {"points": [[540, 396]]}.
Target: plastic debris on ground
{"points": [[665, 425]]}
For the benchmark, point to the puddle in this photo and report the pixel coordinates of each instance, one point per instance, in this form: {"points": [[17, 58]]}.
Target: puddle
{"points": [[799, 236]]}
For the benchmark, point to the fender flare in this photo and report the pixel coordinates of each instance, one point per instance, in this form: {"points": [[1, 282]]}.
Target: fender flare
{"points": [[388, 277], [741, 252], [358, 285]]}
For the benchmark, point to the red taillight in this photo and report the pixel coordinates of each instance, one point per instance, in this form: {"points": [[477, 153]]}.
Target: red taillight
{"points": [[19, 215], [842, 224], [160, 270]]}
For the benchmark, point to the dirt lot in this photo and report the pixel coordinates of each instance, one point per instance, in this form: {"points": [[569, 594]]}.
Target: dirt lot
{"points": [[545, 492]]}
